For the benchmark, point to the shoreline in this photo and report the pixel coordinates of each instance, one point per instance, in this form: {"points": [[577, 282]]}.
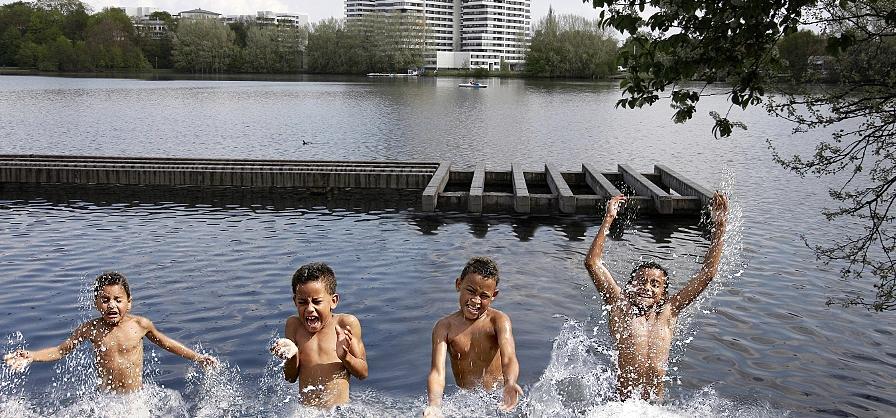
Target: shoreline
{"points": [[167, 74]]}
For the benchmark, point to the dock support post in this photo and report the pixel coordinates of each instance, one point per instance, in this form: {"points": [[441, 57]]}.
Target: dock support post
{"points": [[521, 200], [477, 187], [662, 201], [598, 182], [558, 185], [436, 185], [682, 184]]}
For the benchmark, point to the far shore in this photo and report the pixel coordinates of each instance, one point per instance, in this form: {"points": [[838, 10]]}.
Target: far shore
{"points": [[168, 74]]}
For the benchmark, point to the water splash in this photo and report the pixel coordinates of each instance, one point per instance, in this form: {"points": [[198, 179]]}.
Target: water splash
{"points": [[731, 267], [218, 391], [580, 381]]}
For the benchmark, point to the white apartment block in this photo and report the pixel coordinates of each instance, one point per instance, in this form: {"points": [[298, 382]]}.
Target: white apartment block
{"points": [[139, 12], [463, 33]]}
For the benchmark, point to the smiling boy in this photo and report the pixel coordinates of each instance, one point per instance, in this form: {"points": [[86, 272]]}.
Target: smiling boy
{"points": [[478, 338], [117, 338], [641, 316], [321, 349]]}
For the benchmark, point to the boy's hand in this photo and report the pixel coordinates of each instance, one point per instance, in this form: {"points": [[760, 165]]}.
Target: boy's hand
{"points": [[284, 348], [18, 360], [343, 341], [719, 206], [207, 361], [433, 411], [613, 206], [512, 395]]}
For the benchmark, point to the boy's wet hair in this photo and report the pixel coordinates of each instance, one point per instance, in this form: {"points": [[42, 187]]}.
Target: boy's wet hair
{"points": [[483, 266], [314, 272], [652, 265], [111, 278]]}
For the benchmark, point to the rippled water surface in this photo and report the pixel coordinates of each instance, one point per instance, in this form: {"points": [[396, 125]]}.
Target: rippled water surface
{"points": [[214, 267]]}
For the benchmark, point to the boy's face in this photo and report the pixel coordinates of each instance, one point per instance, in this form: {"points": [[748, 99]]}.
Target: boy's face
{"points": [[113, 303], [647, 288], [315, 305], [476, 294]]}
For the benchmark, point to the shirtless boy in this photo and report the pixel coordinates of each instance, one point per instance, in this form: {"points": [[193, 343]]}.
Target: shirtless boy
{"points": [[478, 338], [117, 338], [321, 349], [641, 316]]}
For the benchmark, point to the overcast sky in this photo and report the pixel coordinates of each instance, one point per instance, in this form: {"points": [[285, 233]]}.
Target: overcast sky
{"points": [[315, 9]]}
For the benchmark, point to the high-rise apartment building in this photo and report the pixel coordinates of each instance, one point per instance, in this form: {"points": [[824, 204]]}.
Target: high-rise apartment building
{"points": [[462, 33]]}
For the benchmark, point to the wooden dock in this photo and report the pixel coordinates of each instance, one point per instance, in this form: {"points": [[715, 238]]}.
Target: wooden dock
{"points": [[662, 192]]}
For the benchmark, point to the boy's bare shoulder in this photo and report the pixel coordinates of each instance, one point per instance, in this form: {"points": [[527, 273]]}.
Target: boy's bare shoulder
{"points": [[498, 317], [448, 320], [141, 321], [89, 328], [347, 320]]}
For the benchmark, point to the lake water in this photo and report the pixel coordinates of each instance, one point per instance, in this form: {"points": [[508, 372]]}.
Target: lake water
{"points": [[214, 267]]}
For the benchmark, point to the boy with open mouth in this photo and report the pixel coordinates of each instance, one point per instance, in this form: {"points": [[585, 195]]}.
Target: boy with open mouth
{"points": [[321, 349], [117, 338]]}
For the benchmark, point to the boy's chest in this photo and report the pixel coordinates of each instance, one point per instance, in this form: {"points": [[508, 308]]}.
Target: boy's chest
{"points": [[317, 348], [648, 338], [476, 337], [120, 341]]}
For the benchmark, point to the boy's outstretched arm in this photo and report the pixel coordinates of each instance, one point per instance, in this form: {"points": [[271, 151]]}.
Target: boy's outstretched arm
{"points": [[594, 262], [20, 359], [171, 345], [350, 346], [436, 381], [710, 267], [286, 349], [509, 364]]}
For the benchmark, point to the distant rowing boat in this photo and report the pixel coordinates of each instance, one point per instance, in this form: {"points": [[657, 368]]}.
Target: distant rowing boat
{"points": [[473, 85]]}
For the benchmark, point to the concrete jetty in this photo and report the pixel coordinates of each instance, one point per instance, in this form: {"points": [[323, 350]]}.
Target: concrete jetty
{"points": [[550, 190]]}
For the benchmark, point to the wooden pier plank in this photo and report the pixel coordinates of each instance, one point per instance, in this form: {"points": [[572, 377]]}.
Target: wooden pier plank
{"points": [[436, 185], [522, 202], [600, 183], [682, 184], [644, 187], [477, 187], [565, 197]]}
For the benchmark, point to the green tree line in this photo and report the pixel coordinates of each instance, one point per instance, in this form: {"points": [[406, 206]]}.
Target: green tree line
{"points": [[571, 46], [61, 35], [64, 35]]}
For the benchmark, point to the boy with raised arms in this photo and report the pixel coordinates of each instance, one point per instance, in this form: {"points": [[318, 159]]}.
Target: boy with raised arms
{"points": [[117, 338], [641, 315], [321, 349], [477, 338]]}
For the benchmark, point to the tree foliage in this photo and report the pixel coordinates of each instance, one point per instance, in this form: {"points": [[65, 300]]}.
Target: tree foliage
{"points": [[795, 49], [570, 46], [203, 46], [61, 35], [270, 49], [379, 42], [333, 49], [736, 42]]}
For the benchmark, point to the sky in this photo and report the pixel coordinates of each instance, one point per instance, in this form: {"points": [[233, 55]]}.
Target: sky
{"points": [[315, 9]]}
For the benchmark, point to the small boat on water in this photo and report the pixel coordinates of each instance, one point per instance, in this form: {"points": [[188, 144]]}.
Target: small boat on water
{"points": [[473, 85]]}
